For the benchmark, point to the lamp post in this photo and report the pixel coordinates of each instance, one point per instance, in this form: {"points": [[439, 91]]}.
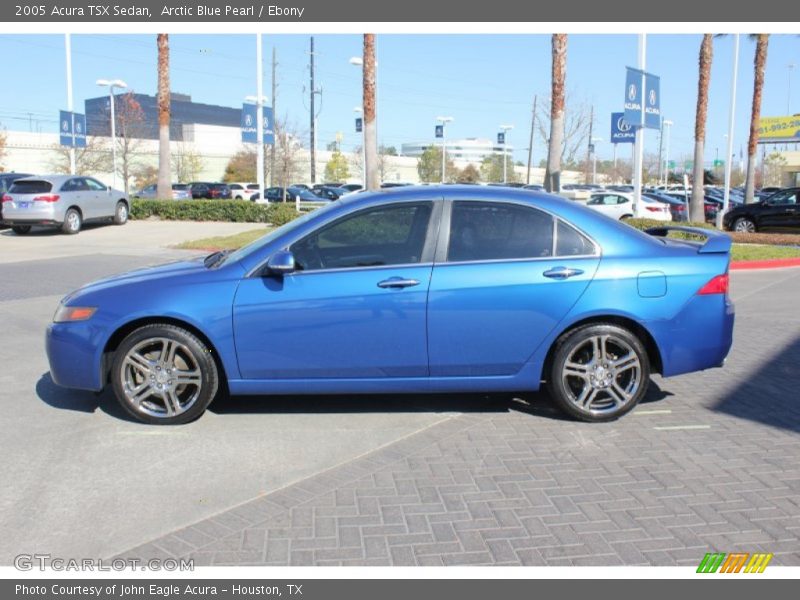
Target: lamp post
{"points": [[594, 158], [444, 121], [111, 84], [358, 110], [668, 126], [260, 103], [505, 129]]}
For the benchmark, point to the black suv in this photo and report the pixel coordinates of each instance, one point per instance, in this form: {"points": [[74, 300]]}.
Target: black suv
{"points": [[781, 210]]}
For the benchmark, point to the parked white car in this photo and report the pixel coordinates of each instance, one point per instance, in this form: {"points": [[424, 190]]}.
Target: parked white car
{"points": [[619, 205], [240, 190]]}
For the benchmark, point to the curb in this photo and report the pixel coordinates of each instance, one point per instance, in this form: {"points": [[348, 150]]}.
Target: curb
{"points": [[776, 263]]}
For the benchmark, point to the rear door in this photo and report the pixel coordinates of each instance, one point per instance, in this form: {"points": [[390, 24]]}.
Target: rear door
{"points": [[505, 275], [73, 193], [779, 211]]}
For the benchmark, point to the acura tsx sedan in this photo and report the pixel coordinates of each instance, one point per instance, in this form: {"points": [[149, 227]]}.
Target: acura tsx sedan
{"points": [[411, 290]]}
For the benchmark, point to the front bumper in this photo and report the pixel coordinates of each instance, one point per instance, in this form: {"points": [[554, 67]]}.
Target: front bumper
{"points": [[74, 351]]}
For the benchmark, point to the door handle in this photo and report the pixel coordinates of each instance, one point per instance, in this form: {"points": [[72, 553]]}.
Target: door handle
{"points": [[562, 272], [397, 282]]}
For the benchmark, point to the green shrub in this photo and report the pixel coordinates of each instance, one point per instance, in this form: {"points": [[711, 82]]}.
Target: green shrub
{"points": [[738, 237], [236, 211]]}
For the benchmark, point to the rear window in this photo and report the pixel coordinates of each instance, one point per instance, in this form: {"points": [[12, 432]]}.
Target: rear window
{"points": [[31, 187]]}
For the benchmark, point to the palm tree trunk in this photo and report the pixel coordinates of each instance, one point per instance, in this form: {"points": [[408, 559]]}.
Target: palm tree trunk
{"points": [[370, 127], [552, 176], [164, 189], [759, 62], [696, 206]]}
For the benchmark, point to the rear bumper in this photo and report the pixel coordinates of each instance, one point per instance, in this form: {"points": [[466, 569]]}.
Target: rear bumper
{"points": [[698, 338]]}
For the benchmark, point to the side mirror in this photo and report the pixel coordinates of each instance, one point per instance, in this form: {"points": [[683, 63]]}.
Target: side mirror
{"points": [[281, 263], [108, 189]]}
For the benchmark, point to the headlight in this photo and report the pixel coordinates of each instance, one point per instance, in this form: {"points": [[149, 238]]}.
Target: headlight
{"points": [[67, 314]]}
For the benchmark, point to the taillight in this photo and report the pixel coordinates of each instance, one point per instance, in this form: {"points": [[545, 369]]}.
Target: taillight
{"points": [[680, 207], [47, 198], [7, 198], [717, 285], [653, 208]]}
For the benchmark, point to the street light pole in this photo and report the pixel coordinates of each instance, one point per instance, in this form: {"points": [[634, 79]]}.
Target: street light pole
{"points": [[359, 110], [68, 50], [668, 126], [790, 67], [260, 121], [506, 129], [594, 140], [444, 121], [111, 84], [726, 194]]}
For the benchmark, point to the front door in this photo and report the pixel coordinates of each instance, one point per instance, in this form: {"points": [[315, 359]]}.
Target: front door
{"points": [[355, 308], [509, 275]]}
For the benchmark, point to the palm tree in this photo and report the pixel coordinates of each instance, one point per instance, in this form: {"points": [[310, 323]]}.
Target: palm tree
{"points": [[164, 189], [552, 176], [696, 206], [759, 63], [370, 130]]}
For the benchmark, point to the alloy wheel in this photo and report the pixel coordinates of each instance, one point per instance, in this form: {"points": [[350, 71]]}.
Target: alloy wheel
{"points": [[161, 377], [602, 374]]}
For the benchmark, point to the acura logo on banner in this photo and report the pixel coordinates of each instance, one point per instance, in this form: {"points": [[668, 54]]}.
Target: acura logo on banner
{"points": [[642, 106], [439, 131], [73, 129], [359, 125], [621, 130], [501, 138]]}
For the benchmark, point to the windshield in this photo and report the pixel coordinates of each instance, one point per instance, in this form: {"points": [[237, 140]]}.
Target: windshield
{"points": [[245, 251]]}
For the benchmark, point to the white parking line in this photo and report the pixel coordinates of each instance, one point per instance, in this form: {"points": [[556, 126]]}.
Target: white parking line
{"points": [[681, 427], [656, 411]]}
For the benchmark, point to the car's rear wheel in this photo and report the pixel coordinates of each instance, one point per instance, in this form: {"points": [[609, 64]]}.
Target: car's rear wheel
{"points": [[744, 225], [21, 229], [72, 221], [599, 372], [163, 374], [121, 213]]}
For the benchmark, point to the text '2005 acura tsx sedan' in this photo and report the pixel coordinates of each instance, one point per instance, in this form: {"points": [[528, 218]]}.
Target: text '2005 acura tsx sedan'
{"points": [[413, 290]]}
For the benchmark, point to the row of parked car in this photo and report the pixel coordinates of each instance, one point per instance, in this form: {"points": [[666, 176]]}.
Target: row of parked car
{"points": [[205, 190]]}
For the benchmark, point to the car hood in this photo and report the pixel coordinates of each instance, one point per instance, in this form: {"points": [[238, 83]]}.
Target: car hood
{"points": [[159, 272]]}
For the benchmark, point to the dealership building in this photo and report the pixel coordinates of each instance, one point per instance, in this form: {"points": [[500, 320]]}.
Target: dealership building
{"points": [[469, 150]]}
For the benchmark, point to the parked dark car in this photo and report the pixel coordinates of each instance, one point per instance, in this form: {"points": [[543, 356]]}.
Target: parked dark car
{"points": [[328, 193], [209, 190], [351, 187], [276, 194], [781, 210], [6, 179], [710, 206]]}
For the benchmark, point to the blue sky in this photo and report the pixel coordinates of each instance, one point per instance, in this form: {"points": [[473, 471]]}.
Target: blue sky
{"points": [[480, 80]]}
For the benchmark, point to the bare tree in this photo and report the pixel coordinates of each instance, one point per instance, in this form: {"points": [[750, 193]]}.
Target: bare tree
{"points": [[92, 159], [577, 116], [552, 177], [3, 141], [130, 127], [696, 205], [385, 166], [186, 164], [288, 155], [164, 183]]}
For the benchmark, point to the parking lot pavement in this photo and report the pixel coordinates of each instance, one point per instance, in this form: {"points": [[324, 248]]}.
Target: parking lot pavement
{"points": [[135, 238], [710, 461]]}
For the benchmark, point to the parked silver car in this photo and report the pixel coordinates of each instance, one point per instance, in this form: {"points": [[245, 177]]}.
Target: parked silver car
{"points": [[180, 191], [64, 201]]}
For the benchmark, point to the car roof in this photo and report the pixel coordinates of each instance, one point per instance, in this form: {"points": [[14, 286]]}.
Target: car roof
{"points": [[54, 179]]}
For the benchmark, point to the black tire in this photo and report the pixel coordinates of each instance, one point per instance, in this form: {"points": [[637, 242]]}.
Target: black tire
{"points": [[72, 221], [629, 383], [744, 225], [625, 217], [21, 229], [121, 213], [152, 408]]}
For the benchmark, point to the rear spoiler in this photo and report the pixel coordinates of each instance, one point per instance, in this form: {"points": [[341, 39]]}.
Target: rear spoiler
{"points": [[716, 241]]}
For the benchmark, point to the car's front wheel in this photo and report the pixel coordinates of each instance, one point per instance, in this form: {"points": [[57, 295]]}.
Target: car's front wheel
{"points": [[599, 372], [744, 225], [163, 374]]}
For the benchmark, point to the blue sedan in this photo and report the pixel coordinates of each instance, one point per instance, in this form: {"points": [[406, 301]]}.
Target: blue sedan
{"points": [[412, 290]]}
